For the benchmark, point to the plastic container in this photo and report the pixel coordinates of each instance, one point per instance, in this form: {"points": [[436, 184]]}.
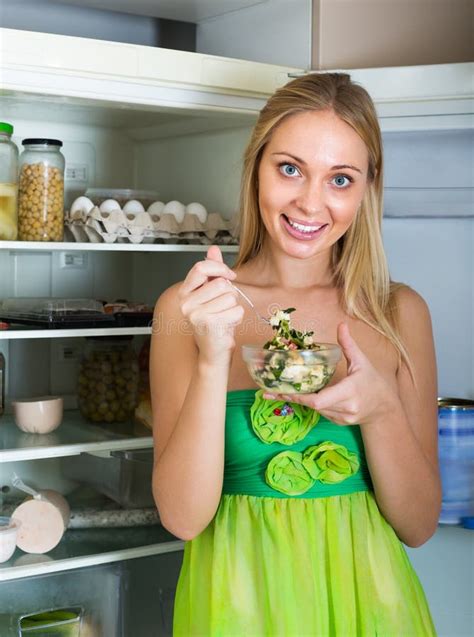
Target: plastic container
{"points": [[38, 415], [41, 191], [299, 371], [108, 380], [48, 312], [121, 196], [456, 458], [8, 184], [125, 476], [8, 535]]}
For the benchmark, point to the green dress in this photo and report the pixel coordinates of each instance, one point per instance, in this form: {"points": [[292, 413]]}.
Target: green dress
{"points": [[298, 546]]}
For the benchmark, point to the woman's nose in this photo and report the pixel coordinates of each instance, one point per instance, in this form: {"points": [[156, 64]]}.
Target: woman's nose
{"points": [[310, 198]]}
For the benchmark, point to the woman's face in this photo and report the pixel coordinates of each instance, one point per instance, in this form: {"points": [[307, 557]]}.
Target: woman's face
{"points": [[311, 181]]}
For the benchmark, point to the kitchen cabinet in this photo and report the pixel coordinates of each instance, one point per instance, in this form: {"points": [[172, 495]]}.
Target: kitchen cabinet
{"points": [[170, 121]]}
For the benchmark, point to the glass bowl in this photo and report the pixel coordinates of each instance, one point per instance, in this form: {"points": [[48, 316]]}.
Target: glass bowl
{"points": [[298, 371]]}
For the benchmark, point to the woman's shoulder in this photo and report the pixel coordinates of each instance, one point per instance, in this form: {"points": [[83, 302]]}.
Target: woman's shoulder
{"points": [[169, 299], [411, 308]]}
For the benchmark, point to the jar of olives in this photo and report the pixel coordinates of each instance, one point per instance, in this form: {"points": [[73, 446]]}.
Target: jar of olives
{"points": [[41, 191], [108, 379]]}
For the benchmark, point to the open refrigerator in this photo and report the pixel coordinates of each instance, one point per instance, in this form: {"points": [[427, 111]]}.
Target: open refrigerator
{"points": [[177, 123]]}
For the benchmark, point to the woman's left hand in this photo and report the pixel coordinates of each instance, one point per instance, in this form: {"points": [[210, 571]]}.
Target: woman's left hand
{"points": [[362, 397]]}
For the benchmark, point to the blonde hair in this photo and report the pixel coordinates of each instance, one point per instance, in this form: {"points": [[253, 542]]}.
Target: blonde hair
{"points": [[358, 258]]}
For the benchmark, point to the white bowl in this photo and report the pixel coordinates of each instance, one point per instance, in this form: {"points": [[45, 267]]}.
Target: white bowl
{"points": [[8, 533], [38, 415]]}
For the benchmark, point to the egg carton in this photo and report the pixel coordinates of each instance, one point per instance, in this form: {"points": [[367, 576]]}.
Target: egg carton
{"points": [[146, 227]]}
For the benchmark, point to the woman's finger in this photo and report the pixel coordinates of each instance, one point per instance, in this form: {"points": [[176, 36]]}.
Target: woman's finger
{"points": [[352, 352], [201, 272], [207, 292]]}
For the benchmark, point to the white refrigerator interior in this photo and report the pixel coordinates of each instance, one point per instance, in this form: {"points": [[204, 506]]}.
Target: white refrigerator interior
{"points": [[130, 117]]}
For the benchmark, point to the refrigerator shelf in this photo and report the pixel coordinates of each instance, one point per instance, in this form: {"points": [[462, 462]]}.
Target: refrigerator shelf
{"points": [[65, 246], [441, 202], [73, 436], [89, 547], [21, 332]]}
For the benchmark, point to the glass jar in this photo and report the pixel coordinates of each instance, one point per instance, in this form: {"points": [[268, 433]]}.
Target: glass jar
{"points": [[8, 184], [41, 191], [108, 379]]}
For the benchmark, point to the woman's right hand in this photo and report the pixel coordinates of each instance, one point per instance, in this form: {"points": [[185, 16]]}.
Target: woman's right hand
{"points": [[210, 305]]}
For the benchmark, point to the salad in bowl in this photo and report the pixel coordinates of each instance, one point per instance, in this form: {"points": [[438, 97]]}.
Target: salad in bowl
{"points": [[291, 362]]}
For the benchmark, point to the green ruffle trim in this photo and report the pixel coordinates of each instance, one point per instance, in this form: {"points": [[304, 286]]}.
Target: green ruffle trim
{"points": [[294, 473], [279, 421]]}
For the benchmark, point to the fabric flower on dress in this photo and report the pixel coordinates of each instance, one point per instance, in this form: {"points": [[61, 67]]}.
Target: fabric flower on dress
{"points": [[279, 421], [286, 473], [294, 472], [329, 462]]}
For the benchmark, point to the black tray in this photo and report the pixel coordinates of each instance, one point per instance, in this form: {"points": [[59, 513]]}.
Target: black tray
{"points": [[61, 320], [133, 319]]}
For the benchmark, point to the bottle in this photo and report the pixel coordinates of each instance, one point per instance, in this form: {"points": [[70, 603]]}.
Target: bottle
{"points": [[108, 380], [8, 184], [2, 383], [41, 191]]}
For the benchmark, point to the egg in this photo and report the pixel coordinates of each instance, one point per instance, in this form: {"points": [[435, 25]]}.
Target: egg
{"points": [[82, 204], [156, 208], [175, 208], [108, 205], [198, 210], [133, 207]]}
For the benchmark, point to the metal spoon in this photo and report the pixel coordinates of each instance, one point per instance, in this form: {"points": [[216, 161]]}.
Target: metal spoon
{"points": [[262, 318]]}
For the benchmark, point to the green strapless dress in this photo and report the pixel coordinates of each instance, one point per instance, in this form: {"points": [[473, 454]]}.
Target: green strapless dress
{"points": [[298, 546]]}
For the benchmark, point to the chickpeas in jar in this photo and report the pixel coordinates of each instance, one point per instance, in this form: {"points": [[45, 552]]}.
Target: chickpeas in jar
{"points": [[108, 380], [41, 191]]}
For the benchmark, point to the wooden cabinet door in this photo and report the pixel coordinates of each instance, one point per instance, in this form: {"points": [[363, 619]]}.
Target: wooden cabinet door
{"points": [[374, 33]]}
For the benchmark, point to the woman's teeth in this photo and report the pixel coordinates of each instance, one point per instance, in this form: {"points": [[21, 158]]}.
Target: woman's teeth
{"points": [[303, 228]]}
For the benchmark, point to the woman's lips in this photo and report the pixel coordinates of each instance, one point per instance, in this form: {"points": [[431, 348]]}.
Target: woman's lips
{"points": [[299, 234]]}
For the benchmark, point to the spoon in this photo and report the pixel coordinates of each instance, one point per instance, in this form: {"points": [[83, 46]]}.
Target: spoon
{"points": [[262, 318]]}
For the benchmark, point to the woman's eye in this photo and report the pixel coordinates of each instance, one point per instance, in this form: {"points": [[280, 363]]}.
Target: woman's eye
{"points": [[341, 181], [289, 170]]}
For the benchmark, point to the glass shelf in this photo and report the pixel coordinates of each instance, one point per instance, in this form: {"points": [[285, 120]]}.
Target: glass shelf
{"points": [[88, 547], [22, 332], [73, 436], [449, 203], [49, 246]]}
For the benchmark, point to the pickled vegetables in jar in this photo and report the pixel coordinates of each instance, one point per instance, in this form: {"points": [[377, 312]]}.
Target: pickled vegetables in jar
{"points": [[108, 380], [8, 184], [8, 212]]}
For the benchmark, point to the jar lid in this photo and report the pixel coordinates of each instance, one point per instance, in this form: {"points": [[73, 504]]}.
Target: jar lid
{"points": [[42, 140], [6, 128], [453, 404]]}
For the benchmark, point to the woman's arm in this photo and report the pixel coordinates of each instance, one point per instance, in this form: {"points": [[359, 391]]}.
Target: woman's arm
{"points": [[188, 376], [398, 422], [402, 445]]}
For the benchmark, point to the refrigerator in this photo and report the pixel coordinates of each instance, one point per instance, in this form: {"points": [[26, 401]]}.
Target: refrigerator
{"points": [[176, 123]]}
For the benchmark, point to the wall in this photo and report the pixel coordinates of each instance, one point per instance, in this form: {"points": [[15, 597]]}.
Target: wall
{"points": [[276, 32], [53, 17], [349, 34]]}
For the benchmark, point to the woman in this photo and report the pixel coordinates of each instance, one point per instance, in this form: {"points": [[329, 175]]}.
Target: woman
{"points": [[328, 561]]}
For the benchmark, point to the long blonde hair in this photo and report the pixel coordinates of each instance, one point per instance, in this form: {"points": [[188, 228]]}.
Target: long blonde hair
{"points": [[358, 258]]}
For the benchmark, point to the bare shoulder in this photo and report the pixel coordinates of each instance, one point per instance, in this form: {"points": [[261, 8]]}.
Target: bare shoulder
{"points": [[412, 309]]}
